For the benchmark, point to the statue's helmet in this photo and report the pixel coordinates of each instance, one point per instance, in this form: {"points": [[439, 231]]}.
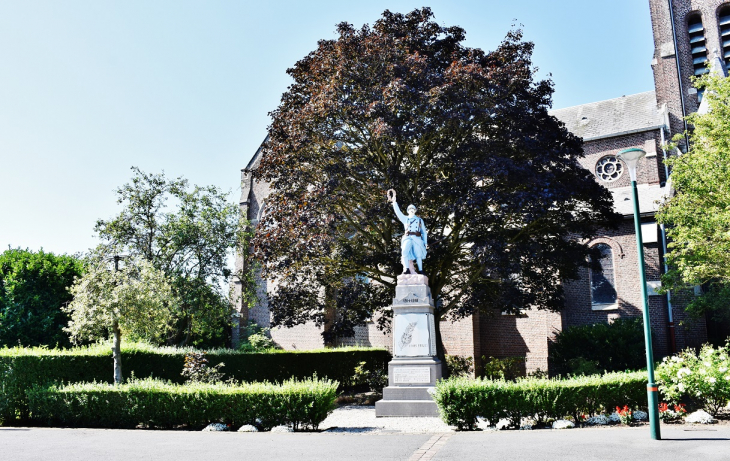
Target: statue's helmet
{"points": [[411, 207]]}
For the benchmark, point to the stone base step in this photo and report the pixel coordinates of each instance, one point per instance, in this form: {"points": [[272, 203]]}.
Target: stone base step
{"points": [[407, 393], [406, 408]]}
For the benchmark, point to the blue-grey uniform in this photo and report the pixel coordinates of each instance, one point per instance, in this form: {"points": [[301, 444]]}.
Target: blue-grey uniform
{"points": [[413, 244]]}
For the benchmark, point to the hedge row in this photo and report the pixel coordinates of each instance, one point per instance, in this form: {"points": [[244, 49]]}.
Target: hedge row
{"points": [[21, 368], [153, 403], [461, 400]]}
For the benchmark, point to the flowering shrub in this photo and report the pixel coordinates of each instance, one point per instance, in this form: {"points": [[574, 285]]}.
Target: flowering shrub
{"points": [[598, 420], [704, 376], [624, 414], [668, 414]]}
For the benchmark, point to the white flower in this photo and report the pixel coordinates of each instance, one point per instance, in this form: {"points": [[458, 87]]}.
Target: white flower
{"points": [[215, 427], [282, 428], [680, 386], [727, 377], [683, 371], [563, 424], [703, 371], [701, 417], [711, 380], [722, 370]]}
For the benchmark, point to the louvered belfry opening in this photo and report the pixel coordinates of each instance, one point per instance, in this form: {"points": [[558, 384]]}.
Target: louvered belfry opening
{"points": [[697, 44], [723, 21]]}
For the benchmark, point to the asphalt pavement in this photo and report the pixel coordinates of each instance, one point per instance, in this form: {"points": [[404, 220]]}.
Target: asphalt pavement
{"points": [[619, 443]]}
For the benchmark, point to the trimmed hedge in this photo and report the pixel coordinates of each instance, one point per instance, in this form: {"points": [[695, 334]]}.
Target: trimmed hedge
{"points": [[21, 368], [461, 400], [153, 403]]}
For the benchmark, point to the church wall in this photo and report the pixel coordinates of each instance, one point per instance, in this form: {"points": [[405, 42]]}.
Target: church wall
{"points": [[523, 335], [650, 169], [664, 63], [458, 337], [579, 311], [368, 335]]}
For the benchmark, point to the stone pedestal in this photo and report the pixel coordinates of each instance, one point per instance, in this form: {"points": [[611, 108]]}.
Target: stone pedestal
{"points": [[414, 370]]}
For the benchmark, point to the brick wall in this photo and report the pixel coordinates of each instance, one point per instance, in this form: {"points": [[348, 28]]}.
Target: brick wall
{"points": [[650, 169], [664, 64], [524, 335]]}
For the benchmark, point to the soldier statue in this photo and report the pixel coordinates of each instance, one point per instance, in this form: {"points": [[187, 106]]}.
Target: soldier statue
{"points": [[414, 242]]}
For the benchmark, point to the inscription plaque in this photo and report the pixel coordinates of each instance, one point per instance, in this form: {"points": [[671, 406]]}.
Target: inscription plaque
{"points": [[412, 338], [411, 375]]}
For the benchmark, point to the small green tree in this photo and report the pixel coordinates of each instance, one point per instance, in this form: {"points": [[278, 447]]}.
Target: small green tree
{"points": [[133, 300], [33, 288], [698, 215]]}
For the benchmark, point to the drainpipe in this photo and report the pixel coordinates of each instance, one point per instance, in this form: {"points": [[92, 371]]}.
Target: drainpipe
{"points": [[679, 72], [670, 317]]}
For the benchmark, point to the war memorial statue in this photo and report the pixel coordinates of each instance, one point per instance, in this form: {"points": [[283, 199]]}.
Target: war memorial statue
{"points": [[414, 370], [415, 241]]}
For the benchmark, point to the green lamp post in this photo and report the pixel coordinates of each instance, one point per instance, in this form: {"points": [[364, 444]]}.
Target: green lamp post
{"points": [[631, 157]]}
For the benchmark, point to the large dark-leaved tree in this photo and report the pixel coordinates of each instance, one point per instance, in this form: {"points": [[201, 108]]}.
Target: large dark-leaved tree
{"points": [[461, 133]]}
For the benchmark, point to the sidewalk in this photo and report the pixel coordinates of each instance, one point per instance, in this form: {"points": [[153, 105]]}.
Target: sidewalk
{"points": [[680, 443]]}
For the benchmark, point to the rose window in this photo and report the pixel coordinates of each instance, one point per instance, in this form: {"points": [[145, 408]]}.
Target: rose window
{"points": [[609, 168]]}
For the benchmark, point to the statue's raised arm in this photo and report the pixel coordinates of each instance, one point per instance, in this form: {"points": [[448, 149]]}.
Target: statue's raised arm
{"points": [[414, 241]]}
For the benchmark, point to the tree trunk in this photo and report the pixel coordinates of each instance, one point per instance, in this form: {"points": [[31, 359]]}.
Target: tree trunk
{"points": [[117, 353], [440, 353]]}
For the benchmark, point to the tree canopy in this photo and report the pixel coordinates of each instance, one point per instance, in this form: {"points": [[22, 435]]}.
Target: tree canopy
{"points": [[110, 301], [463, 134], [698, 214], [33, 289], [189, 239]]}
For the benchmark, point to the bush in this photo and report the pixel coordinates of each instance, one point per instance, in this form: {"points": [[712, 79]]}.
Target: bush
{"points": [[153, 403], [375, 380], [459, 365], [21, 368], [197, 370], [257, 339], [704, 377], [509, 368], [591, 349], [461, 400]]}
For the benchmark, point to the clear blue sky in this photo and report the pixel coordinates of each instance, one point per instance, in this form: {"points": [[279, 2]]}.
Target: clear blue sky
{"points": [[90, 88]]}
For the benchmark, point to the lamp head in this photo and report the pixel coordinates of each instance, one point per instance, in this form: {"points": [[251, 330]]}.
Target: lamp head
{"points": [[631, 158]]}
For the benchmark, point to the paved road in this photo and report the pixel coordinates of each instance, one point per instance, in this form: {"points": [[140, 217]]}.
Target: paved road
{"points": [[680, 443]]}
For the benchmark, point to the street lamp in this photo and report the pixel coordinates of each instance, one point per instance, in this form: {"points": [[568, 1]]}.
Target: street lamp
{"points": [[631, 157]]}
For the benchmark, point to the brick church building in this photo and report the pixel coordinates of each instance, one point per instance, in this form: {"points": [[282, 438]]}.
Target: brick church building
{"points": [[687, 35]]}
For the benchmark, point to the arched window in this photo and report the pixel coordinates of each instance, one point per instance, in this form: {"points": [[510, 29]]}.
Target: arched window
{"points": [[697, 44], [603, 285], [723, 22]]}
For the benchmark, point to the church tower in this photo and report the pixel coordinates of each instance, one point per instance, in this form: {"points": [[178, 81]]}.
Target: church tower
{"points": [[687, 33]]}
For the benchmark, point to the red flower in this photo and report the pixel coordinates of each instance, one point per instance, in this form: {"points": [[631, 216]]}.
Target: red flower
{"points": [[679, 408], [664, 407]]}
